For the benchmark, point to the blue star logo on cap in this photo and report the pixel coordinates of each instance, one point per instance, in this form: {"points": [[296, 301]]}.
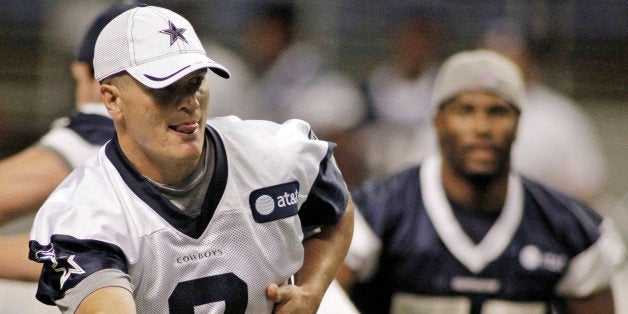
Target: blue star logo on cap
{"points": [[174, 32]]}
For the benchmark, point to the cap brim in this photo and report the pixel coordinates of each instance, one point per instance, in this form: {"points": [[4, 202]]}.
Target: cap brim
{"points": [[164, 72]]}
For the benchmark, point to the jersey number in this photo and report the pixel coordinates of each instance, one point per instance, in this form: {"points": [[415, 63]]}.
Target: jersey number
{"points": [[226, 287]]}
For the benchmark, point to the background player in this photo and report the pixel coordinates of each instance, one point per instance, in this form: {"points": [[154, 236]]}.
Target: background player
{"points": [[461, 233], [175, 172], [40, 168]]}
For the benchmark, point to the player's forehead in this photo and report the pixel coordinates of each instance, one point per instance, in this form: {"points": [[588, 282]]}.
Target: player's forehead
{"points": [[479, 99]]}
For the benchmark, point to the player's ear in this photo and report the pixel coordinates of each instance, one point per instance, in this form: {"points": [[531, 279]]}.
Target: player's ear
{"points": [[516, 129], [437, 118], [110, 95]]}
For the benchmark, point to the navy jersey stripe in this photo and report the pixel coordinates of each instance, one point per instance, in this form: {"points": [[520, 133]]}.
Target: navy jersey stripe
{"points": [[190, 226], [68, 260], [93, 128], [328, 192]]}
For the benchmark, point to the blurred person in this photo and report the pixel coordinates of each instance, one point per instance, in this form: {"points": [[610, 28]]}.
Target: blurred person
{"points": [[31, 175], [557, 142], [464, 233], [41, 167], [295, 80], [618, 209], [398, 95], [230, 97], [171, 205]]}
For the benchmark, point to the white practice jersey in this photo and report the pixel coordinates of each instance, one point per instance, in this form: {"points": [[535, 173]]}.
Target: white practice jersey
{"points": [[269, 182], [80, 135]]}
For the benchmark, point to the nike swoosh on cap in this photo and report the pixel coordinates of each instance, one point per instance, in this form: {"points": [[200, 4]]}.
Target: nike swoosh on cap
{"points": [[154, 78]]}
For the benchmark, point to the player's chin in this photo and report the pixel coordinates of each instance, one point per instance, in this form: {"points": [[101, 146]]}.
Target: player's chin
{"points": [[484, 171], [186, 148], [480, 177]]}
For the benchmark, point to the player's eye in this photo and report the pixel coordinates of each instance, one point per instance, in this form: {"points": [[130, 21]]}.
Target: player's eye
{"points": [[194, 84], [462, 109], [502, 110]]}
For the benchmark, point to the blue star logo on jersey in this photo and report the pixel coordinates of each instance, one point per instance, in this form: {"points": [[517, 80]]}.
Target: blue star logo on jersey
{"points": [[62, 264], [174, 32]]}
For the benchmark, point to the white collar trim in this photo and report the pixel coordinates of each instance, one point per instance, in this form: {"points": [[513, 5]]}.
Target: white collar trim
{"points": [[474, 257]]}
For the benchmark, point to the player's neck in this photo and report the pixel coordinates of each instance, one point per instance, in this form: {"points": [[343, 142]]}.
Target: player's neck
{"points": [[488, 195], [163, 170]]}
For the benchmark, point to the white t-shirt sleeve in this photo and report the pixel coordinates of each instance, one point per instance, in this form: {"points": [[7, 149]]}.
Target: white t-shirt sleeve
{"points": [[592, 270], [100, 279], [365, 249]]}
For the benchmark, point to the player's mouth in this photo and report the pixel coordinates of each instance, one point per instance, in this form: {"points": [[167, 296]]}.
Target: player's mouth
{"points": [[482, 152], [185, 128]]}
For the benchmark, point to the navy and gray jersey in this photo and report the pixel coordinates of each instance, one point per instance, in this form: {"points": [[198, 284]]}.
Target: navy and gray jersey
{"points": [[269, 182], [79, 136], [435, 256]]}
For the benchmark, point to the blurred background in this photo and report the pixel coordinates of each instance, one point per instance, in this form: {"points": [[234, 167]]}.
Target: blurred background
{"points": [[578, 48]]}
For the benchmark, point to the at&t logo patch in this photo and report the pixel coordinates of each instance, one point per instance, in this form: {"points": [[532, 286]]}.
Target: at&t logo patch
{"points": [[532, 258], [275, 202]]}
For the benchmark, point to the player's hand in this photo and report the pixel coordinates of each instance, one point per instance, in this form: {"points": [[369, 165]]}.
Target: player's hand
{"points": [[292, 299]]}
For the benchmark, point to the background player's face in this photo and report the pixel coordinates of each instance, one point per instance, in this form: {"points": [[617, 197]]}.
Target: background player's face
{"points": [[475, 132], [164, 125]]}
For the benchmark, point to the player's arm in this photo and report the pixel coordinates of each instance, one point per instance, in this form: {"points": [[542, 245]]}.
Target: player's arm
{"points": [[324, 254], [108, 300], [362, 257], [27, 179], [601, 302], [598, 303], [346, 277], [587, 285], [14, 262]]}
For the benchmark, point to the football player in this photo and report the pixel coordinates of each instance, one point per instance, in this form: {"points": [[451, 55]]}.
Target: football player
{"points": [[173, 215], [462, 233]]}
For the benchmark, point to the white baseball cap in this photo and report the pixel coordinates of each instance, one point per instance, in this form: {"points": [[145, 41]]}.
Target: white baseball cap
{"points": [[154, 45], [479, 69]]}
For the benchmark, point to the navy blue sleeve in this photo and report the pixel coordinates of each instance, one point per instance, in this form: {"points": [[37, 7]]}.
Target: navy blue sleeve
{"points": [[93, 128], [67, 261], [385, 203], [328, 196], [575, 224]]}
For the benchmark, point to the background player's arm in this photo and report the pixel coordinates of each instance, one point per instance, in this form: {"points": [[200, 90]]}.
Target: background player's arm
{"points": [[14, 262], [363, 255], [108, 300], [27, 179], [598, 303], [346, 277], [324, 253]]}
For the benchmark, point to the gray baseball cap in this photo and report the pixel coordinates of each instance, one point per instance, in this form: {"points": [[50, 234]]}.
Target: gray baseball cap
{"points": [[480, 69]]}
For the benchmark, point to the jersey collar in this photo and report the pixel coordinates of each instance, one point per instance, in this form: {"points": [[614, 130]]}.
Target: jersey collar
{"points": [[474, 257], [191, 226]]}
